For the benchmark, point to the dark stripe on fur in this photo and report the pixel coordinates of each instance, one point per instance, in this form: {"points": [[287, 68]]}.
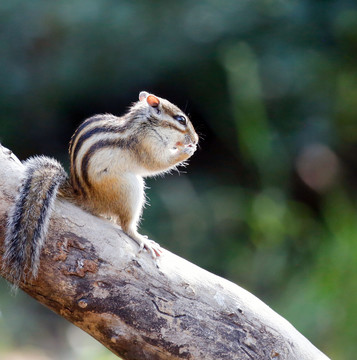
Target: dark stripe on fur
{"points": [[154, 122], [14, 258], [77, 187], [101, 144], [38, 236], [82, 138], [20, 203], [81, 127], [97, 130], [169, 125], [25, 235]]}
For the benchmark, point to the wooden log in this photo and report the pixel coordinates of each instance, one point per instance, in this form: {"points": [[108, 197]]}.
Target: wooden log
{"points": [[139, 308]]}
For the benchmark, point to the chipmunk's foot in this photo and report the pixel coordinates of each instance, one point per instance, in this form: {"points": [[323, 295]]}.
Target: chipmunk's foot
{"points": [[150, 246]]}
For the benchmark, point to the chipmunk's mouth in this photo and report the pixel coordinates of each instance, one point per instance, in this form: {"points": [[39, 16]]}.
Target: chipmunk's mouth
{"points": [[174, 150], [188, 148]]}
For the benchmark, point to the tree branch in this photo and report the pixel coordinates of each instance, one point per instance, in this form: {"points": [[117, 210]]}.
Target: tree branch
{"points": [[142, 309]]}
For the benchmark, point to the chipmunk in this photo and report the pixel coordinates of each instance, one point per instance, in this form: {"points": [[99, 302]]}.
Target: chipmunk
{"points": [[109, 157]]}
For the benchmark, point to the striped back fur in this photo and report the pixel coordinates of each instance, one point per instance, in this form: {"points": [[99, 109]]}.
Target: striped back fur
{"points": [[94, 133], [108, 131]]}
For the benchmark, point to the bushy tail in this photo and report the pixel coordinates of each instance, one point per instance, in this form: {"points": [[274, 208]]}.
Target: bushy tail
{"points": [[29, 217]]}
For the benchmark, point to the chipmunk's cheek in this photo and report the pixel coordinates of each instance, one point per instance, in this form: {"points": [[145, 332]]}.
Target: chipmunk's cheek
{"points": [[178, 146], [173, 150]]}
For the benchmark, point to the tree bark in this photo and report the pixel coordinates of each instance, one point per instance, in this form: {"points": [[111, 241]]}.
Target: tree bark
{"points": [[140, 308]]}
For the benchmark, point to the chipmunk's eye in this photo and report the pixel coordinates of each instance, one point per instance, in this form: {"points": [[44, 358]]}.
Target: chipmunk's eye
{"points": [[181, 119]]}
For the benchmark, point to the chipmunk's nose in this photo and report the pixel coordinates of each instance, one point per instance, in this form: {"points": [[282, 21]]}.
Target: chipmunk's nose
{"points": [[195, 138], [191, 140]]}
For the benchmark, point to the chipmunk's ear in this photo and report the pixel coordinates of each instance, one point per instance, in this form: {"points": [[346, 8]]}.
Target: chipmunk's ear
{"points": [[153, 101], [143, 95]]}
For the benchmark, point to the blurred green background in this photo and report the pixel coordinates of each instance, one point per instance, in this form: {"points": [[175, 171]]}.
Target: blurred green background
{"points": [[269, 199]]}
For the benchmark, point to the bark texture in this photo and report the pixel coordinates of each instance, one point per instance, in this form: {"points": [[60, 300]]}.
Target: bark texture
{"points": [[142, 309]]}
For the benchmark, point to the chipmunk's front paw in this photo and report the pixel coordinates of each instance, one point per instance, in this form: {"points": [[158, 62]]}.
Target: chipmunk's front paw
{"points": [[151, 247]]}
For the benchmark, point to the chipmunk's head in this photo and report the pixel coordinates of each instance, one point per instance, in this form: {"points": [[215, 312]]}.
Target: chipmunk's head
{"points": [[172, 125]]}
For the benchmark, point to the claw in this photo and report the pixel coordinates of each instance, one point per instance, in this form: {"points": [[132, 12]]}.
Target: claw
{"points": [[150, 246], [144, 242], [156, 247], [141, 247]]}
